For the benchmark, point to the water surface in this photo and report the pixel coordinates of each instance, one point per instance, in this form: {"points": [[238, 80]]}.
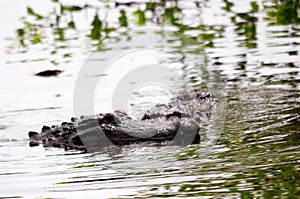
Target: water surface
{"points": [[252, 47]]}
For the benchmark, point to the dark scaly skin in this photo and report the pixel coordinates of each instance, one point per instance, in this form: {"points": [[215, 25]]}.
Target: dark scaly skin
{"points": [[159, 124]]}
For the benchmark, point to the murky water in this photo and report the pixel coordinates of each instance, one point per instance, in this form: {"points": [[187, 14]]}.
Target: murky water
{"points": [[253, 47]]}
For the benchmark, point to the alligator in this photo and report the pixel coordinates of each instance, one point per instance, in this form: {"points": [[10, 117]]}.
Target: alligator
{"points": [[177, 122]]}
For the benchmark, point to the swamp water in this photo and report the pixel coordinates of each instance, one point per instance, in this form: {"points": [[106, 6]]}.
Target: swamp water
{"points": [[252, 46]]}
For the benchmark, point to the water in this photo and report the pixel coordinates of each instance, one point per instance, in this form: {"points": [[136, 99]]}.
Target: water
{"points": [[255, 53]]}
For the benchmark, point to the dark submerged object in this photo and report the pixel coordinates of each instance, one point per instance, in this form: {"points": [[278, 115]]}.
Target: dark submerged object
{"points": [[48, 73], [176, 122]]}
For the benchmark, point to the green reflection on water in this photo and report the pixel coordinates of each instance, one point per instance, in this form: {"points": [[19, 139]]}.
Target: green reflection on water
{"points": [[64, 26], [259, 149], [284, 12]]}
